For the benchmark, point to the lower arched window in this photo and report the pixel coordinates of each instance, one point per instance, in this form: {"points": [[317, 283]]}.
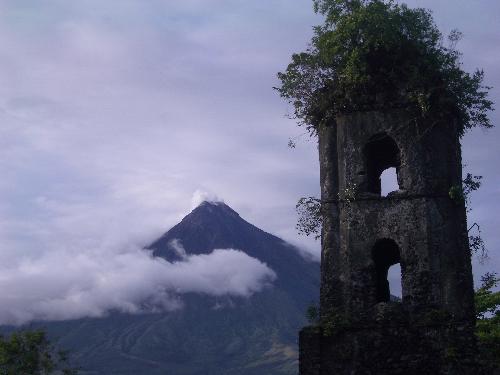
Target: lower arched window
{"points": [[385, 255]]}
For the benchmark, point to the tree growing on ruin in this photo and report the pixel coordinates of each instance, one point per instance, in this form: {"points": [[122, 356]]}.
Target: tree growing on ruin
{"points": [[371, 54]]}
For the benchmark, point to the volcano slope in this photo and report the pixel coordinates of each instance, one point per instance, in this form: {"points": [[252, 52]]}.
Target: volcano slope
{"points": [[209, 335]]}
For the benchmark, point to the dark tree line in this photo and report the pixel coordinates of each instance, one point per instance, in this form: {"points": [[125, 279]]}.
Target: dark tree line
{"points": [[31, 353]]}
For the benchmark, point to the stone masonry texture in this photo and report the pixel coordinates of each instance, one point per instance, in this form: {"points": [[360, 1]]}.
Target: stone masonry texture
{"points": [[362, 329]]}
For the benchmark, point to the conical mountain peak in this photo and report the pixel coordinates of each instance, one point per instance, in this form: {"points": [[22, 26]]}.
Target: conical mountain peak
{"points": [[215, 225], [211, 225], [214, 208]]}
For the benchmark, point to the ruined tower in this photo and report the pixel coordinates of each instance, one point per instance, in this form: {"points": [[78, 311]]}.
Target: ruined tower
{"points": [[420, 226]]}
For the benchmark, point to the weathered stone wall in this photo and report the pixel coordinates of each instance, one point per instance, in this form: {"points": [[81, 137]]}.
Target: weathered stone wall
{"points": [[420, 225], [331, 285], [389, 349], [429, 228]]}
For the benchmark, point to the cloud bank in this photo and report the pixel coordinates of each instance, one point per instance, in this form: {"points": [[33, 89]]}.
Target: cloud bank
{"points": [[61, 286]]}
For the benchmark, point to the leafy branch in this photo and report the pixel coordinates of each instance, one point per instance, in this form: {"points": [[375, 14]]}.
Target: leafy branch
{"points": [[30, 352], [487, 301], [376, 54], [310, 219]]}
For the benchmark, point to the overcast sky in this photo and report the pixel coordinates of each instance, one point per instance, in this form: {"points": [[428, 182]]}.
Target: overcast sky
{"points": [[115, 114]]}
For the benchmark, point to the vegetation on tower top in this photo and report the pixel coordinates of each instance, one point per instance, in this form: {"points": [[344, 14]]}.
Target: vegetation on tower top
{"points": [[377, 54]]}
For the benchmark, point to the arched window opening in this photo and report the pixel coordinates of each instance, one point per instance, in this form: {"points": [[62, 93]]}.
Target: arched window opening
{"points": [[395, 282], [389, 181], [381, 153], [385, 254]]}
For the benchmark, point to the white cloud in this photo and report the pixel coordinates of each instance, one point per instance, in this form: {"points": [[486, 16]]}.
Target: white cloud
{"points": [[176, 245], [201, 196], [60, 285]]}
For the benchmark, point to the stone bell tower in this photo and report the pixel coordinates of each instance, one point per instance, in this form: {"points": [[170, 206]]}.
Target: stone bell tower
{"points": [[362, 329]]}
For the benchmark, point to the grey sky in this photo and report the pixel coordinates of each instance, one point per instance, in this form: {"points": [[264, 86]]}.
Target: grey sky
{"points": [[113, 114]]}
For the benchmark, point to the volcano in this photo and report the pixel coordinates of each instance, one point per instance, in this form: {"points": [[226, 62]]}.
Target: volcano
{"points": [[209, 335], [217, 226]]}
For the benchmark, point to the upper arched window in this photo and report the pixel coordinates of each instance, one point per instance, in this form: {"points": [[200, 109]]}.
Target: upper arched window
{"points": [[381, 153]]}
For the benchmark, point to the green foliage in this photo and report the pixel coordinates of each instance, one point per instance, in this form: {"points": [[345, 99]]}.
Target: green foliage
{"points": [[334, 322], [476, 243], [461, 194], [469, 184], [372, 54], [456, 194], [487, 301], [330, 323], [488, 318], [335, 9], [309, 216], [312, 314], [30, 353]]}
